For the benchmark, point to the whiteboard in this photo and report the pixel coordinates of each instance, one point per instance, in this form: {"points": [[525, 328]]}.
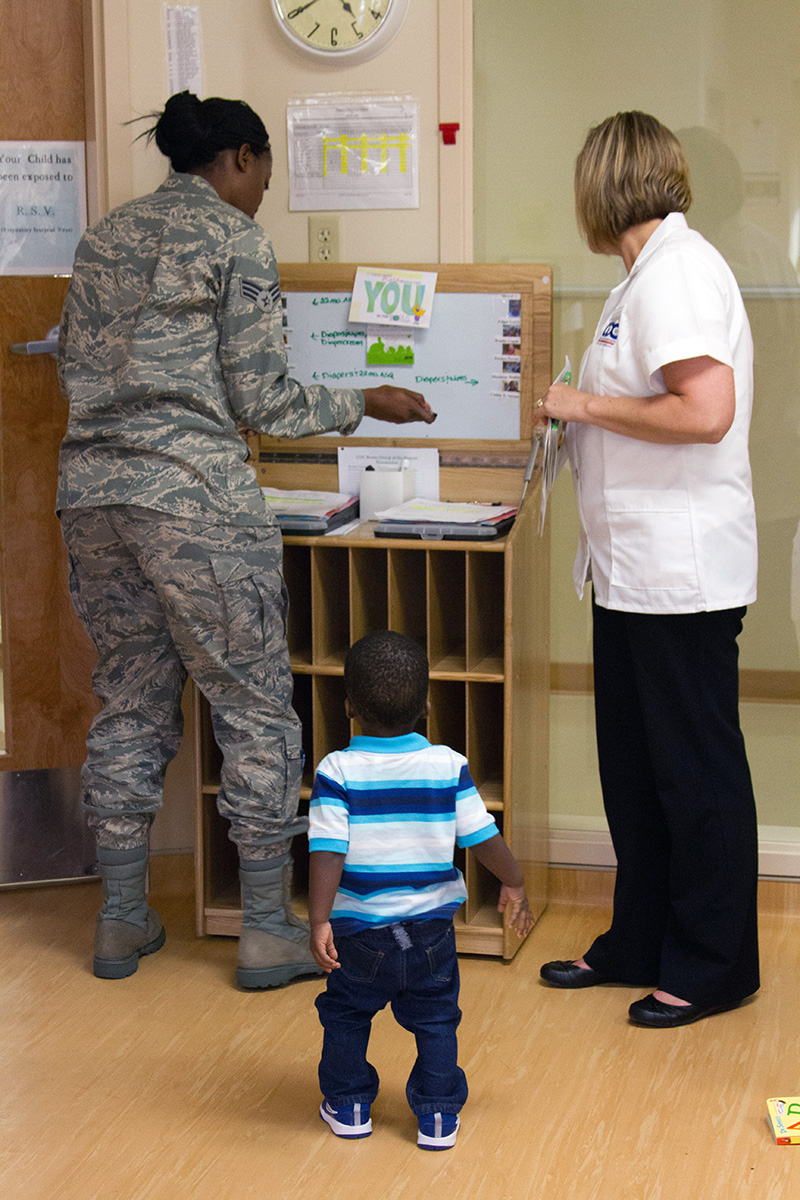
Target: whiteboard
{"points": [[467, 364], [482, 363]]}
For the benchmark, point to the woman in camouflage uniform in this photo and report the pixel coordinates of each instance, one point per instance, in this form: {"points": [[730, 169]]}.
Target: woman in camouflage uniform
{"points": [[171, 342]]}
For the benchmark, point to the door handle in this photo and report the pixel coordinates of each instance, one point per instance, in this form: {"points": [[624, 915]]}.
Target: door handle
{"points": [[48, 346]]}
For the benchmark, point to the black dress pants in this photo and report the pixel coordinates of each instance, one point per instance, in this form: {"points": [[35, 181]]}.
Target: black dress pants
{"points": [[679, 802]]}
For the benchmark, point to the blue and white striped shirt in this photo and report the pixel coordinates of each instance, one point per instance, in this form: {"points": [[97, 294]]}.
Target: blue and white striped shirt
{"points": [[396, 808]]}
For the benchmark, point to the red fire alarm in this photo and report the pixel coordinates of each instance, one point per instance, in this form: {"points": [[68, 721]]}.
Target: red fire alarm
{"points": [[448, 130]]}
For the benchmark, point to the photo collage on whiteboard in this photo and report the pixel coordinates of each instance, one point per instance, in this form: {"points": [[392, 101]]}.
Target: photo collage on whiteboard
{"points": [[508, 377]]}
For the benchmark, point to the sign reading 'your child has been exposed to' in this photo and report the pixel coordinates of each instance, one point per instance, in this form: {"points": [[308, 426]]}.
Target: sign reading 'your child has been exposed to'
{"points": [[395, 298], [42, 206]]}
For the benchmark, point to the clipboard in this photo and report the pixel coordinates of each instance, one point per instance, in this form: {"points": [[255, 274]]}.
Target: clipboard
{"points": [[441, 520], [437, 531]]}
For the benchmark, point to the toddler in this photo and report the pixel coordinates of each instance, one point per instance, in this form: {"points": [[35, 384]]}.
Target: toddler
{"points": [[386, 815]]}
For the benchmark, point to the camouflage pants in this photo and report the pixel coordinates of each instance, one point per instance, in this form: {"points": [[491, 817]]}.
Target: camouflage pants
{"points": [[162, 597]]}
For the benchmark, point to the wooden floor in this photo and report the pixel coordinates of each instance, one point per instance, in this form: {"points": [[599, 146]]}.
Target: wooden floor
{"points": [[172, 1085]]}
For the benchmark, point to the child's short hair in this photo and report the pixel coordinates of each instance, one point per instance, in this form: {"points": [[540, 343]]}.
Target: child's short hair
{"points": [[386, 677]]}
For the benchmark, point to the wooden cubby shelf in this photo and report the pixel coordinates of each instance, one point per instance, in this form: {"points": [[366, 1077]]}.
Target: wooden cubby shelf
{"points": [[480, 610]]}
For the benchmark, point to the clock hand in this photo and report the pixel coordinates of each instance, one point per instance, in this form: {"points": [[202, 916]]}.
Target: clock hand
{"points": [[347, 8], [296, 11]]}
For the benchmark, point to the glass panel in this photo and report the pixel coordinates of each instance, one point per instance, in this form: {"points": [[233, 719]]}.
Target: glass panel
{"points": [[726, 83]]}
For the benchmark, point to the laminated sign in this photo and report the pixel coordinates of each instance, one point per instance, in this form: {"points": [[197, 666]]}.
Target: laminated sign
{"points": [[42, 206]]}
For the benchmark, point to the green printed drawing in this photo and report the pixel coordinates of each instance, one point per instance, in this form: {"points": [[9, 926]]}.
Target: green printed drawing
{"points": [[379, 355]]}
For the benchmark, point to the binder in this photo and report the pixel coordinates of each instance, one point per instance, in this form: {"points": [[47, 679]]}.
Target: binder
{"points": [[310, 513]]}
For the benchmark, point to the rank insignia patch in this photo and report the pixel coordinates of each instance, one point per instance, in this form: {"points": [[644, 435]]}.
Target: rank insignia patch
{"points": [[262, 297]]}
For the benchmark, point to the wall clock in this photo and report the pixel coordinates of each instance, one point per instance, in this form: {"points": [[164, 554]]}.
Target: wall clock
{"points": [[340, 31]]}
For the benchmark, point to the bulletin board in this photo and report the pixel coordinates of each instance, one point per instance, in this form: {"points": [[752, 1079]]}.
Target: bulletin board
{"points": [[481, 365]]}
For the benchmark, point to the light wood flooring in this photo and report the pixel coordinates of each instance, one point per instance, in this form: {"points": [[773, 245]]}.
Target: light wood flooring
{"points": [[172, 1085]]}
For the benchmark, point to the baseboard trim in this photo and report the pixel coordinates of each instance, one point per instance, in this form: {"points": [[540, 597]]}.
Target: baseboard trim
{"points": [[771, 687], [778, 857], [594, 887]]}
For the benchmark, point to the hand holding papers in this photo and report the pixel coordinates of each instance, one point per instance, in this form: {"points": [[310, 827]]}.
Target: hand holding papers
{"points": [[550, 435]]}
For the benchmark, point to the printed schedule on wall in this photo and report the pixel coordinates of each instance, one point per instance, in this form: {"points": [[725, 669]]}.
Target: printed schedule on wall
{"points": [[467, 363]]}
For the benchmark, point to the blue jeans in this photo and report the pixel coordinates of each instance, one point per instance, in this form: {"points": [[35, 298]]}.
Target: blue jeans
{"points": [[413, 967]]}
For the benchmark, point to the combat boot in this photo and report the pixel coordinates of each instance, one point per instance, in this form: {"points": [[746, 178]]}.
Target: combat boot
{"points": [[273, 944], [126, 928]]}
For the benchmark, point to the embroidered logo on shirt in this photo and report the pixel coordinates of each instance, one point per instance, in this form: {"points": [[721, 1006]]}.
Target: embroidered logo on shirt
{"points": [[262, 297], [609, 335]]}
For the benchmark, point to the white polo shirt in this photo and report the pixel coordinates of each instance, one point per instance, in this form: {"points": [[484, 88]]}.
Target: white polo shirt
{"points": [[667, 528]]}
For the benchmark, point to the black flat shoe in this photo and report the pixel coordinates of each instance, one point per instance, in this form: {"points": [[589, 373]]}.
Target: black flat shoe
{"points": [[569, 975], [658, 1015]]}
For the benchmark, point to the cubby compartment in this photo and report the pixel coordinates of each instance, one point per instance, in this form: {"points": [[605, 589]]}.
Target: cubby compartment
{"points": [[302, 703], [369, 592], [210, 757], [299, 852], [485, 615], [447, 634], [486, 740], [330, 592], [221, 868], [331, 727], [407, 595], [297, 574], [460, 861], [483, 889], [447, 724]]}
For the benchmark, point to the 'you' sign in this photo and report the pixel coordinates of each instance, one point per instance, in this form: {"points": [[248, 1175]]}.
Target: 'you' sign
{"points": [[393, 297]]}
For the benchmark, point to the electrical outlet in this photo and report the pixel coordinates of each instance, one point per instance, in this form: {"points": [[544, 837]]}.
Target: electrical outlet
{"points": [[323, 239]]}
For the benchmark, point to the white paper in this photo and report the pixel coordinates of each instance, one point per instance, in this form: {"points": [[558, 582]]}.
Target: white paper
{"points": [[353, 460], [353, 152], [184, 51], [42, 206], [305, 503], [446, 512], [554, 450]]}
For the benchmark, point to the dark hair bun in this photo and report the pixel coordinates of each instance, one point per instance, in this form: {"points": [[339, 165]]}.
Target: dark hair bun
{"points": [[192, 132], [178, 132]]}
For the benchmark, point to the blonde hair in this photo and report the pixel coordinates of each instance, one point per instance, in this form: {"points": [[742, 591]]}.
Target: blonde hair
{"points": [[631, 169]]}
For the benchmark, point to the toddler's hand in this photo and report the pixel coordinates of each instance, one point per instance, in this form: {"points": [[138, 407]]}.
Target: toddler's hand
{"points": [[520, 917], [323, 948]]}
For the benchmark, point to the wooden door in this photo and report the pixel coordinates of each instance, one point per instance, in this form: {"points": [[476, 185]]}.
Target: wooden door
{"points": [[47, 658]]}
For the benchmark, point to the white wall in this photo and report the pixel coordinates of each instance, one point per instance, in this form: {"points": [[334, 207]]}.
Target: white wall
{"points": [[545, 73], [246, 57]]}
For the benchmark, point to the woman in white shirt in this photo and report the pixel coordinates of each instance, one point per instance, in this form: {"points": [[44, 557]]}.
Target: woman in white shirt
{"points": [[657, 434]]}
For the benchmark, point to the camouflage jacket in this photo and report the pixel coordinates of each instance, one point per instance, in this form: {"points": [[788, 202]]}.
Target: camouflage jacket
{"points": [[171, 337]]}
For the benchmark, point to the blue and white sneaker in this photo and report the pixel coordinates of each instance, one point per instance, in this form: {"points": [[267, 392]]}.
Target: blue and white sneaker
{"points": [[349, 1121], [438, 1131]]}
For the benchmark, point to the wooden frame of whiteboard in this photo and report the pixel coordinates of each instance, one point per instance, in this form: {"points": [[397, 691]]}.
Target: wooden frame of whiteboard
{"points": [[495, 465]]}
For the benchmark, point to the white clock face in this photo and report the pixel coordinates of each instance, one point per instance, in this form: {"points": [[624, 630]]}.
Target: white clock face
{"points": [[340, 30]]}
